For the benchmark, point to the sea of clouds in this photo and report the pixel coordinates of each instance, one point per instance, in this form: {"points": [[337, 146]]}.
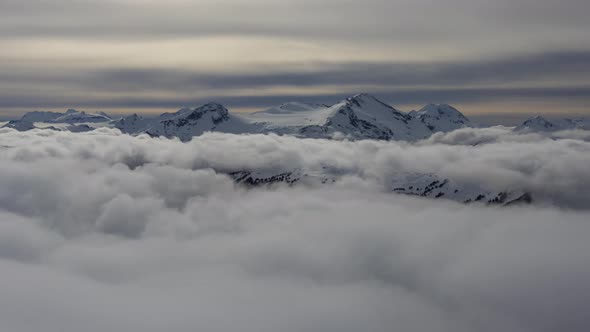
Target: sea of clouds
{"points": [[102, 231]]}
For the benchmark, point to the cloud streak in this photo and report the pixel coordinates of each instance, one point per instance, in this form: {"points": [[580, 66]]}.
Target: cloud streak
{"points": [[116, 53], [398, 82]]}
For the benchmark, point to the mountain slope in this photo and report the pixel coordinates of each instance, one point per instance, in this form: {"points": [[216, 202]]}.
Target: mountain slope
{"points": [[541, 124], [70, 116], [359, 117], [441, 118], [365, 117], [187, 123], [20, 125]]}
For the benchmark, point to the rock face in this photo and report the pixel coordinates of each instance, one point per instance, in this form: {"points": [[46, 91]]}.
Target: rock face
{"points": [[541, 124]]}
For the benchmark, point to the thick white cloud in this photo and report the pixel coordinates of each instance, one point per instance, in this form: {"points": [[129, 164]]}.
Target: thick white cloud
{"points": [[102, 231]]}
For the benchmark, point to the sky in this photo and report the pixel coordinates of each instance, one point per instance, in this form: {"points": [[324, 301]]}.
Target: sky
{"points": [[506, 57]]}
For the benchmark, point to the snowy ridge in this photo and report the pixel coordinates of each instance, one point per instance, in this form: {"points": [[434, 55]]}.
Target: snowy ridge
{"points": [[541, 124], [365, 117], [441, 118], [70, 116], [71, 120], [358, 117], [20, 125], [186, 123], [425, 185]]}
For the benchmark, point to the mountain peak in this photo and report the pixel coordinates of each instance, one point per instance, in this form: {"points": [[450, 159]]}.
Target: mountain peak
{"points": [[20, 125], [362, 98], [212, 106], [538, 120], [441, 117], [540, 123], [219, 111], [439, 109]]}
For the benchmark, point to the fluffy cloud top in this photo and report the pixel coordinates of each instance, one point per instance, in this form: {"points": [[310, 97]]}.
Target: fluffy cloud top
{"points": [[102, 231]]}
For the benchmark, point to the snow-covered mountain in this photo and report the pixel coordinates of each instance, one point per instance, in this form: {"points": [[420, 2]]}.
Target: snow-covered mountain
{"points": [[51, 120], [365, 117], [359, 117], [73, 116], [39, 116], [20, 125], [541, 124], [187, 123], [441, 118], [70, 116]]}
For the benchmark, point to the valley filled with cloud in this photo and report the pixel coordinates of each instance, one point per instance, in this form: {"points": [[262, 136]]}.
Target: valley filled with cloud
{"points": [[103, 231]]}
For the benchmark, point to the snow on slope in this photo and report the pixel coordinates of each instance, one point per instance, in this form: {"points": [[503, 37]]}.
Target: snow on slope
{"points": [[359, 117], [20, 125], [38, 116], [59, 121], [73, 116], [70, 116], [187, 123], [441, 118], [541, 124], [364, 116]]}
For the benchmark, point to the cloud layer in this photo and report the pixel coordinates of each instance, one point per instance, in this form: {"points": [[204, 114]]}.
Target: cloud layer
{"points": [[129, 54], [102, 231]]}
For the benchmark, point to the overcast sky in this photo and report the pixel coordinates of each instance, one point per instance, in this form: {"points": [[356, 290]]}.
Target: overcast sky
{"points": [[484, 56]]}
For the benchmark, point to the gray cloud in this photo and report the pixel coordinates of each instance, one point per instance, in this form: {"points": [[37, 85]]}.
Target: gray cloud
{"points": [[565, 96], [488, 46], [143, 235], [507, 70], [374, 19], [475, 81]]}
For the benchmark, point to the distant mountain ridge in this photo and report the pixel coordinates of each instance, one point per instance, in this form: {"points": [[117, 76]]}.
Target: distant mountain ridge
{"points": [[361, 116], [72, 118], [541, 124]]}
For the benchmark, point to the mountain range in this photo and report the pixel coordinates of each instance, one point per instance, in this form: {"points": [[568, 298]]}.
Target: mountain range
{"points": [[358, 117]]}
